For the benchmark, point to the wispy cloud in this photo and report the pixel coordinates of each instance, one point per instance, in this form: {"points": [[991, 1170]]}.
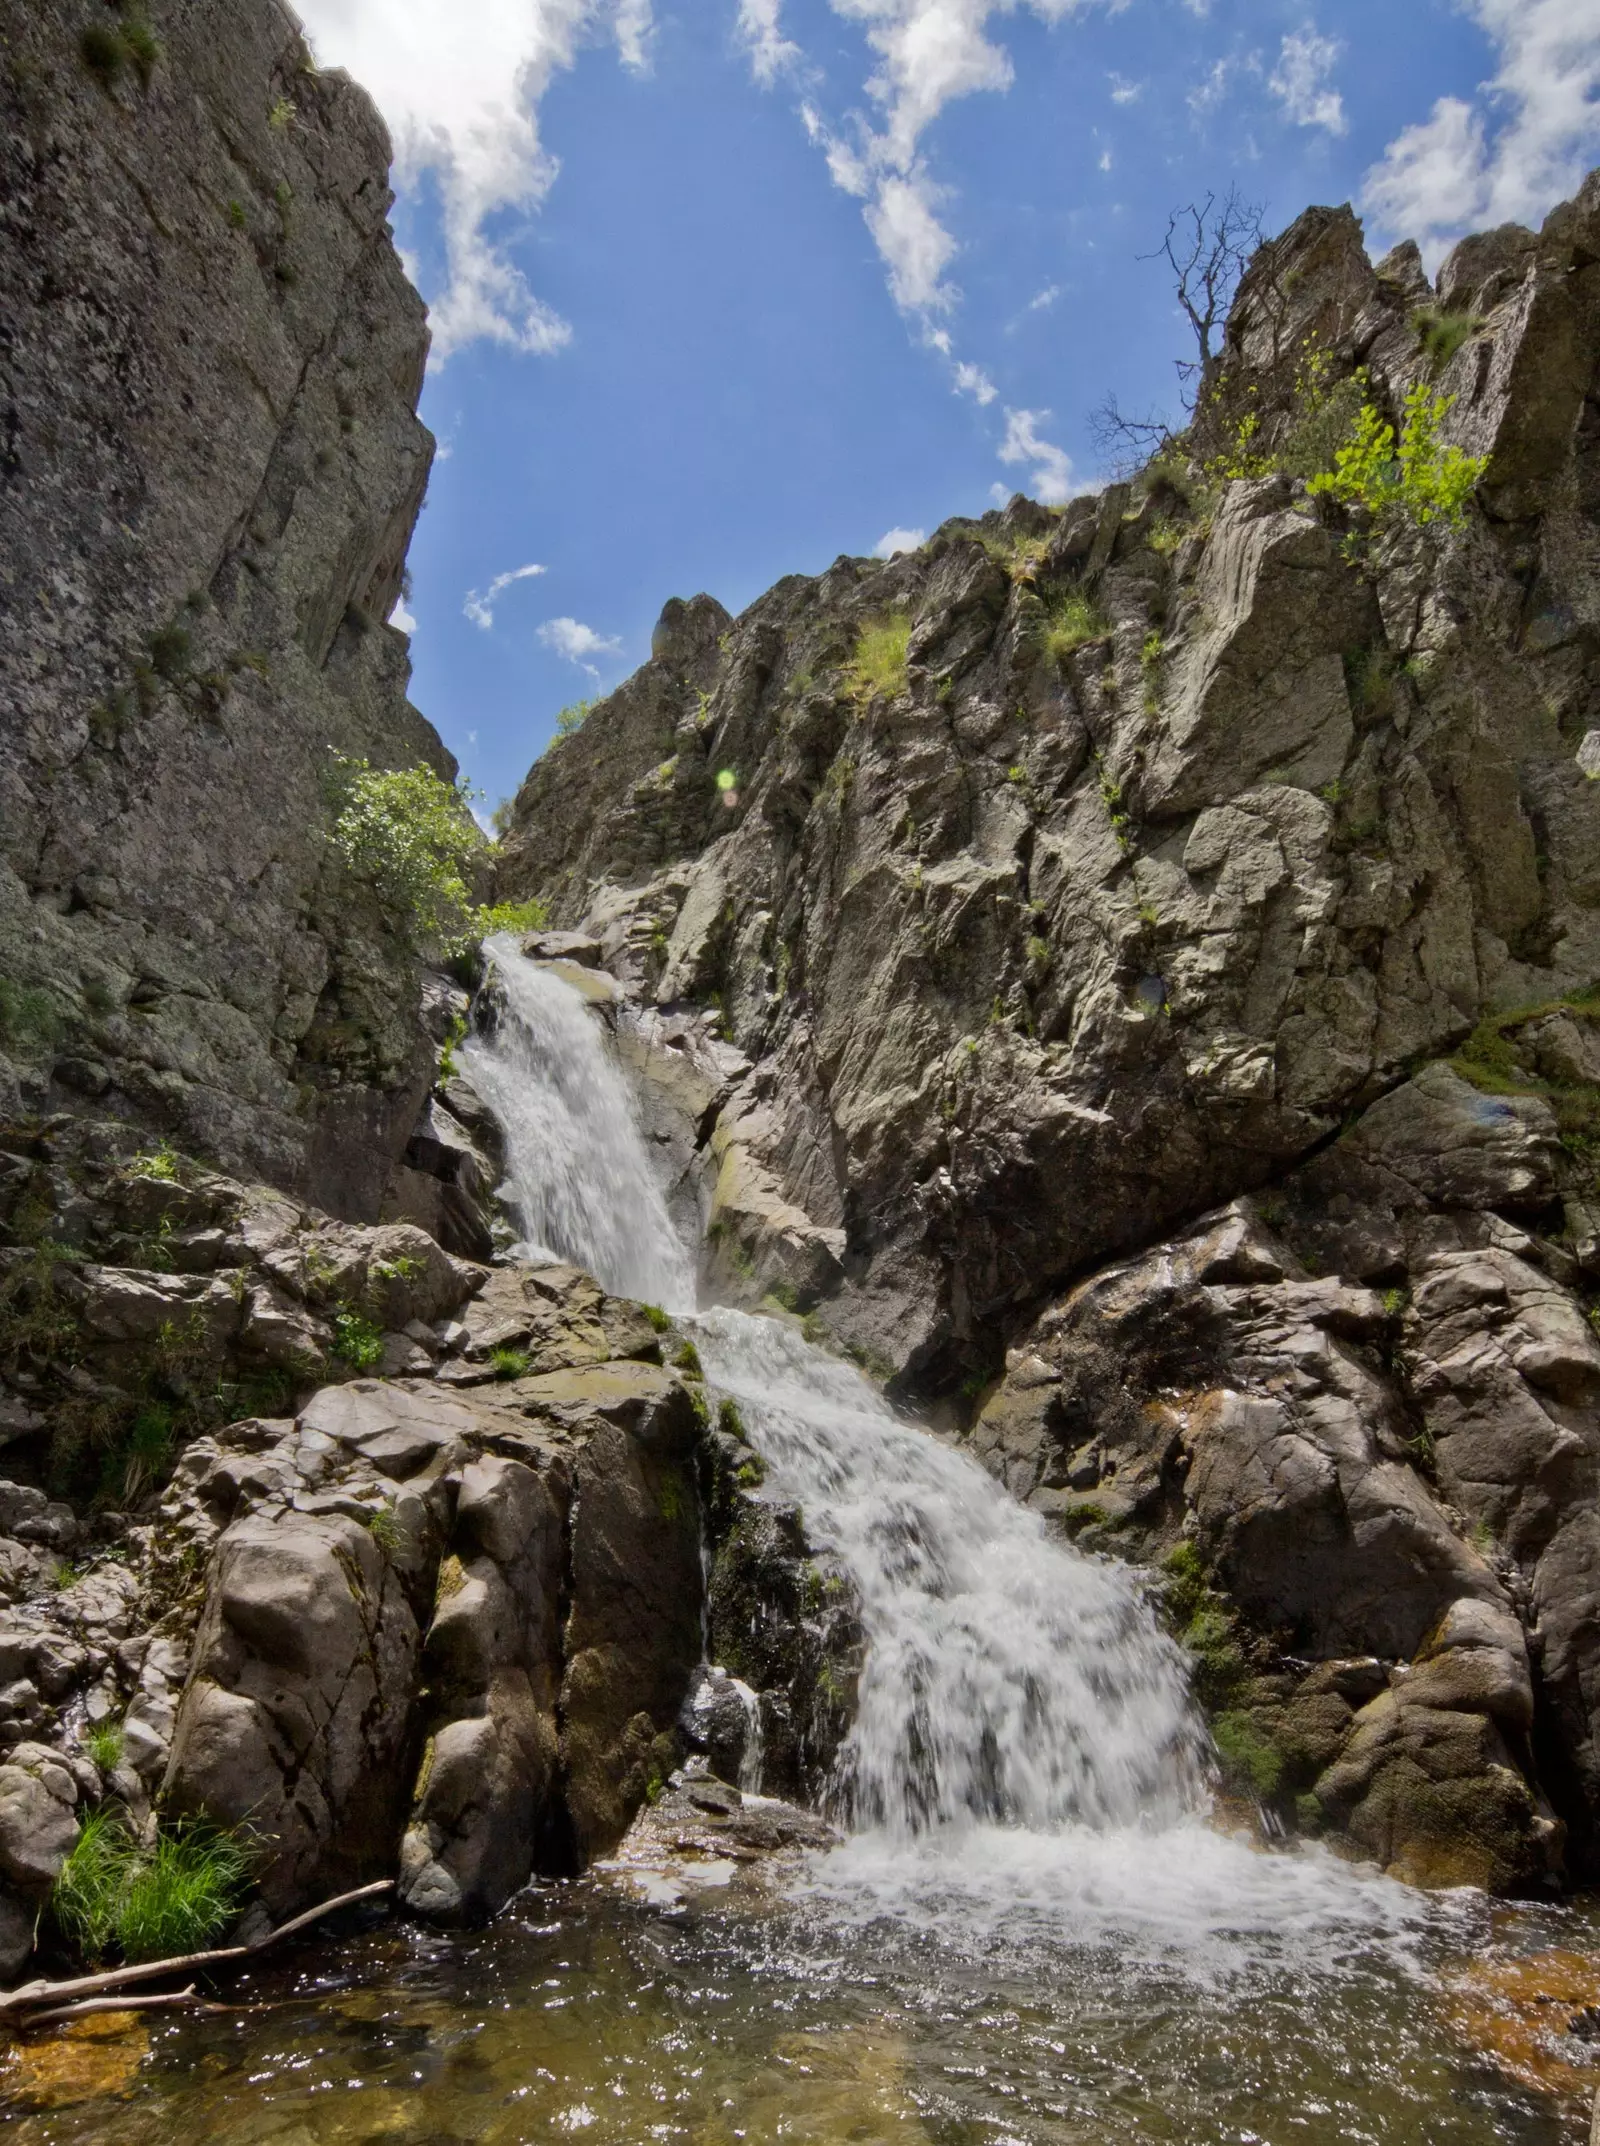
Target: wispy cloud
{"points": [[760, 33], [479, 606], [461, 89], [1300, 81], [895, 541], [1510, 156], [569, 637], [974, 381], [1051, 466], [1042, 301], [1123, 92]]}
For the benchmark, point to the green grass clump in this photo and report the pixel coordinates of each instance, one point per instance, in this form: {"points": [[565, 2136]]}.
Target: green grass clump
{"points": [[357, 1342], [878, 669], [509, 1363], [687, 1361], [657, 1317], [28, 1015], [1072, 622], [147, 1903], [102, 1746], [1442, 334]]}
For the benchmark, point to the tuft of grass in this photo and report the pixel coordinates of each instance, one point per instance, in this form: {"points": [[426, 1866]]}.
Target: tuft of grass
{"points": [[509, 1363], [1249, 1761], [28, 1015], [87, 1895], [730, 1420], [688, 1362], [878, 669], [279, 113], [102, 1746], [1442, 334], [182, 1896], [657, 1317], [103, 53], [159, 1162], [357, 1342], [384, 1528], [1072, 622]]}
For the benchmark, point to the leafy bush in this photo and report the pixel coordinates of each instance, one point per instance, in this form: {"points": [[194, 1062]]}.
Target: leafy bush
{"points": [[1420, 480], [1072, 622], [150, 1903], [571, 717], [357, 1341], [879, 665], [410, 835], [531, 915]]}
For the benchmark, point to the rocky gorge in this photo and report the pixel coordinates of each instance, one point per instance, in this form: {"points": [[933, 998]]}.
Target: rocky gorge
{"points": [[1125, 978]]}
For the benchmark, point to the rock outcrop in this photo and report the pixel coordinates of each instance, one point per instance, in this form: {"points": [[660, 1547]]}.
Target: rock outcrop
{"points": [[1160, 940], [210, 464]]}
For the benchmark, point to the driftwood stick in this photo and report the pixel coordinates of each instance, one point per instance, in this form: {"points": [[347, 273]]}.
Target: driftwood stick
{"points": [[34, 1994], [90, 2005]]}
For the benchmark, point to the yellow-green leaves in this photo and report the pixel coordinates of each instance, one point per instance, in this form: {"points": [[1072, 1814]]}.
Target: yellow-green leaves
{"points": [[1419, 479]]}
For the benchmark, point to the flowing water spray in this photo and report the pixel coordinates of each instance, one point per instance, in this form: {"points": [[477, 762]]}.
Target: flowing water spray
{"points": [[1025, 1759]]}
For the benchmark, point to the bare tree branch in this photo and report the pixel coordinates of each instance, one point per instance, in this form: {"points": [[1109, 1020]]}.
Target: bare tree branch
{"points": [[1207, 247], [1123, 442]]}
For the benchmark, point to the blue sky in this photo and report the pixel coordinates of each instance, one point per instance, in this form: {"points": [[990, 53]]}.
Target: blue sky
{"points": [[723, 288]]}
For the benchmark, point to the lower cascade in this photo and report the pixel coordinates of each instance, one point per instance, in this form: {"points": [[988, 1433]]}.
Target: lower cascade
{"points": [[1025, 1755]]}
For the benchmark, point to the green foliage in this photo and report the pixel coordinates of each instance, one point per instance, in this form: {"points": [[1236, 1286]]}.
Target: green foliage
{"points": [[1249, 1762], [383, 1525], [455, 1032], [1151, 650], [29, 1018], [878, 668], [102, 1746], [1073, 621], [159, 1161], [688, 1362], [657, 1317], [236, 214], [785, 1296], [280, 113], [357, 1342], [529, 915], [509, 1364], [1040, 955], [1111, 798], [1442, 334], [571, 717], [145, 1455], [410, 835], [1420, 480], [731, 1421], [149, 1904], [106, 49], [1395, 1301]]}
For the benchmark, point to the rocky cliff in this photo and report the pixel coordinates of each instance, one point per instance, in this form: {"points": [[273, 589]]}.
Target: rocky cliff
{"points": [[210, 464], [1204, 879]]}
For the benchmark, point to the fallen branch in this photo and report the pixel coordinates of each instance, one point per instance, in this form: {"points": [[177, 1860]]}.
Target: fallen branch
{"points": [[90, 2005], [32, 1995]]}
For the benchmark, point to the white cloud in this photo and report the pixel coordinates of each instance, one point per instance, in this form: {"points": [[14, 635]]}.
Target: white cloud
{"points": [[1042, 301], [1105, 160], [461, 89], [1512, 156], [1210, 90], [480, 608], [1125, 92], [761, 34], [401, 616], [974, 381], [895, 541], [1051, 465], [915, 246], [1299, 81], [569, 637]]}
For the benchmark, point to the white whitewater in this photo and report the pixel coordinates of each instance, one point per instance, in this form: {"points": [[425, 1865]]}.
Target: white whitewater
{"points": [[1026, 1766], [578, 1175]]}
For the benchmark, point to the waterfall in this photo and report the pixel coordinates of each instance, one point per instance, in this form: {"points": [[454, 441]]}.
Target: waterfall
{"points": [[1008, 1678], [578, 1175]]}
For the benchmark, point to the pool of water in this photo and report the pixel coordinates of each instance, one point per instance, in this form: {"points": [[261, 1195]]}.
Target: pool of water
{"points": [[870, 2002]]}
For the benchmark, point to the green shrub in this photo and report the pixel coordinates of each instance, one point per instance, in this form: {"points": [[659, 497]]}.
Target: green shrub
{"points": [[411, 836], [572, 716], [103, 53], [382, 1523], [87, 1894], [878, 668], [455, 1032], [357, 1342], [280, 113], [1419, 480], [687, 1361], [531, 915], [509, 1363], [1072, 622], [657, 1317]]}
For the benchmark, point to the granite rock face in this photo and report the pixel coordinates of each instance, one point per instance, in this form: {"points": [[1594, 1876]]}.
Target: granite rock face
{"points": [[1162, 1032], [210, 464]]}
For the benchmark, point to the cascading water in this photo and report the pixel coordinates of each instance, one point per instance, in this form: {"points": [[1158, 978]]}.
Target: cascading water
{"points": [[1025, 1758]]}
